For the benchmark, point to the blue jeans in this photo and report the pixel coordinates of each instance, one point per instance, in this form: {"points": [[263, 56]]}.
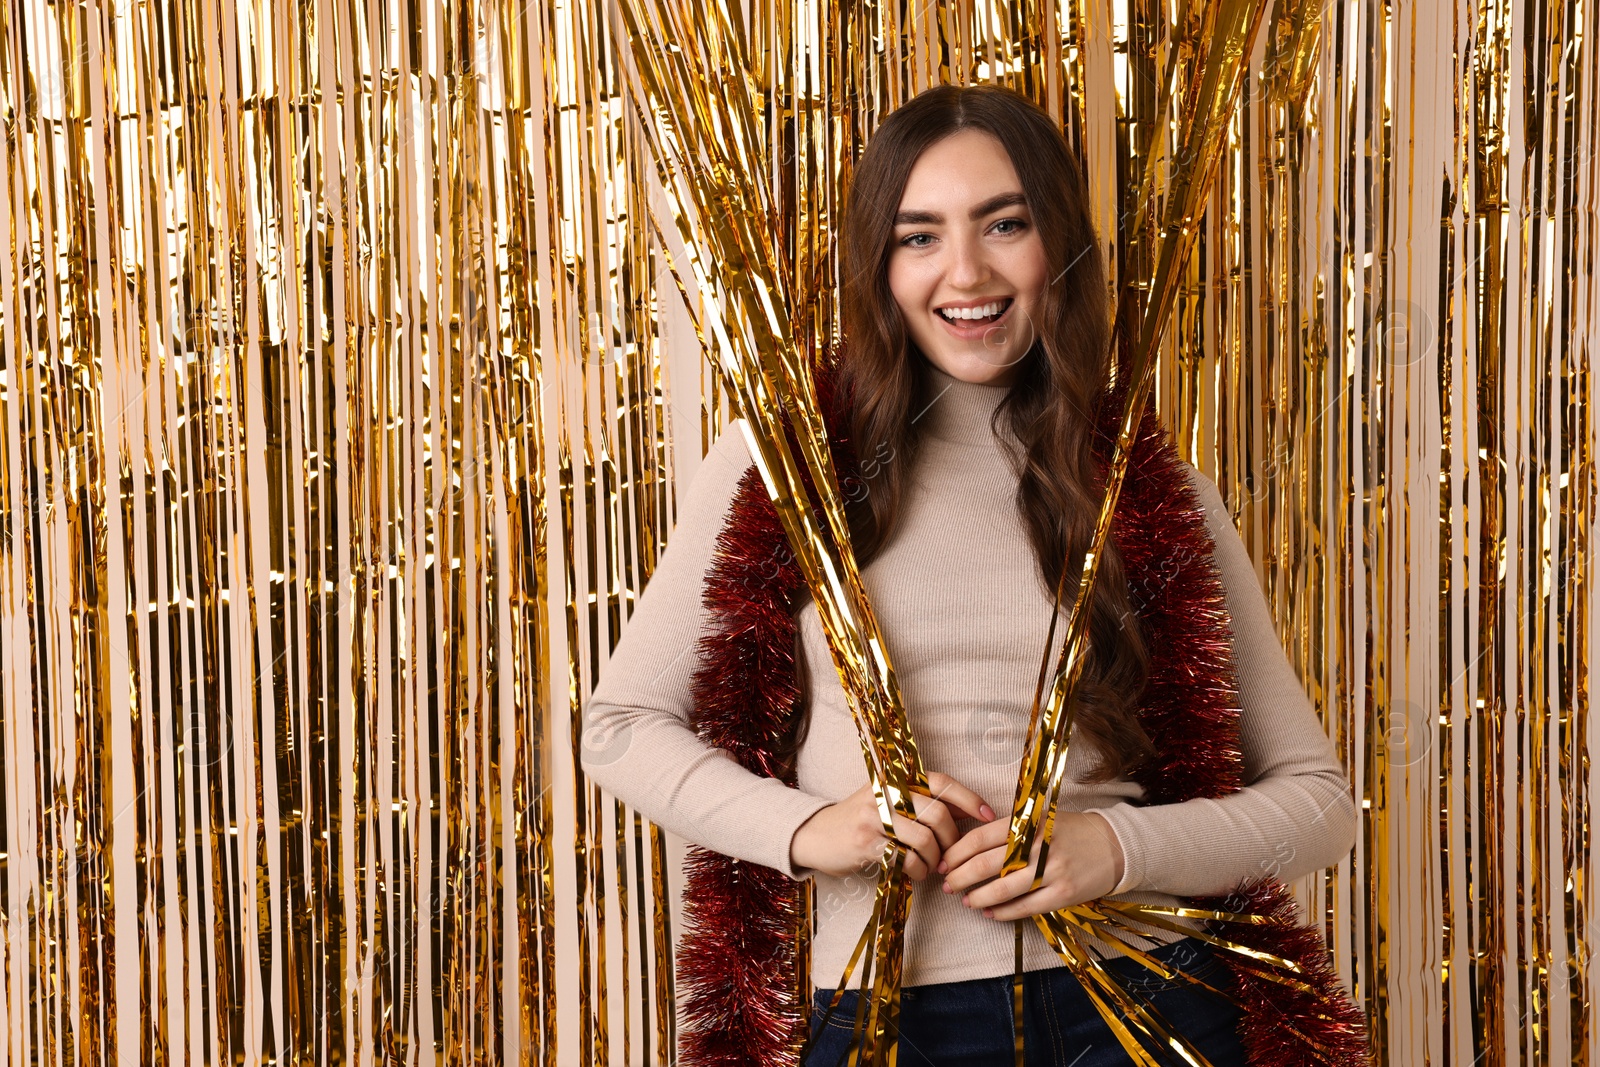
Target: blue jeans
{"points": [[968, 1024]]}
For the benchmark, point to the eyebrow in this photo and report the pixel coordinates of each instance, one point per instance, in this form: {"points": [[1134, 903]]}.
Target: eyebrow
{"points": [[989, 206]]}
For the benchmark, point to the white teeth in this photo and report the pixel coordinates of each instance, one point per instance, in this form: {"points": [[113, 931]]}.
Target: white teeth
{"points": [[983, 312]]}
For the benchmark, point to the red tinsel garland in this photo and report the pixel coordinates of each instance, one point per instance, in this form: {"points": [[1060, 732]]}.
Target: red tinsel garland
{"points": [[738, 974]]}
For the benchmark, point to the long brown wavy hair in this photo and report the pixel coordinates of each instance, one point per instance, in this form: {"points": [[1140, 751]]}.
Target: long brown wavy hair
{"points": [[1050, 406]]}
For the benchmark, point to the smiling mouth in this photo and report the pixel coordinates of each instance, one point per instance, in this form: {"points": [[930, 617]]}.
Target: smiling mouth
{"points": [[985, 315]]}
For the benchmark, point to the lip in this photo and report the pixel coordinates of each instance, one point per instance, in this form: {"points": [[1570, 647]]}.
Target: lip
{"points": [[978, 331]]}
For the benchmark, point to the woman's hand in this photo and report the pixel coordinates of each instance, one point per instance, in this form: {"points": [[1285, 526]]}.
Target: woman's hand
{"points": [[847, 838], [1085, 862]]}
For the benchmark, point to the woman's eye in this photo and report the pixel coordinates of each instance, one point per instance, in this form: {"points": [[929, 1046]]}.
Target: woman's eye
{"points": [[915, 240], [1011, 225]]}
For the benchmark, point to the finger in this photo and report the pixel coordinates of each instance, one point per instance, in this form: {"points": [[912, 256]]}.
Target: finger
{"points": [[916, 868], [1006, 886], [975, 841], [976, 871], [883, 858], [999, 890], [936, 816], [921, 839], [955, 794], [1037, 902]]}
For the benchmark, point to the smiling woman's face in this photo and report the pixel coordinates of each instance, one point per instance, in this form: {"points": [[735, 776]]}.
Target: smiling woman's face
{"points": [[967, 269]]}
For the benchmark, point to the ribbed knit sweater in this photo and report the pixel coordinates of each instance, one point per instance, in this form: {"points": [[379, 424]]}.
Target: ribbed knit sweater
{"points": [[964, 611]]}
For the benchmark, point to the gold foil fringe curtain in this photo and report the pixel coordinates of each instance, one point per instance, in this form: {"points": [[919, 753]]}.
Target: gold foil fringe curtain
{"points": [[343, 393]]}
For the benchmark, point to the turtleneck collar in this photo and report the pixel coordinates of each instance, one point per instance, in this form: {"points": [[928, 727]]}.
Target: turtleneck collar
{"points": [[959, 411]]}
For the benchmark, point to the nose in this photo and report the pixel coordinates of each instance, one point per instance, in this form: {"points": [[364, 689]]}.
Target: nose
{"points": [[968, 267]]}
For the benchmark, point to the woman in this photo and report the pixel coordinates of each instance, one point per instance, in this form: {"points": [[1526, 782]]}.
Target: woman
{"points": [[974, 305]]}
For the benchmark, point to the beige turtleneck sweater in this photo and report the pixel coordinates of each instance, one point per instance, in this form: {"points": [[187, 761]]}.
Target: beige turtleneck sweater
{"points": [[964, 612]]}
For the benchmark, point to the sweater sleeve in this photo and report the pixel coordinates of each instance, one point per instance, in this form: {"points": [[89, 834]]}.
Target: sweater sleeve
{"points": [[638, 743], [1295, 814]]}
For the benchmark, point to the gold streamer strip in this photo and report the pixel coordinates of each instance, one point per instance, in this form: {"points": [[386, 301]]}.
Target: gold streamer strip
{"points": [[1229, 30], [699, 118], [300, 304], [1226, 32]]}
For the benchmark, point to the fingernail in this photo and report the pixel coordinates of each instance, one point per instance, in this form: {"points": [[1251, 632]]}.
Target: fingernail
{"points": [[987, 812], [947, 887], [965, 901], [943, 866], [989, 912]]}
